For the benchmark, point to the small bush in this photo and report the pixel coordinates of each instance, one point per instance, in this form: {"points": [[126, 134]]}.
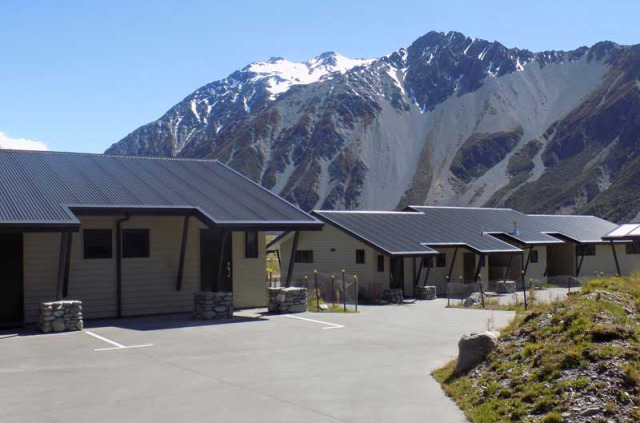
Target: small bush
{"points": [[553, 418]]}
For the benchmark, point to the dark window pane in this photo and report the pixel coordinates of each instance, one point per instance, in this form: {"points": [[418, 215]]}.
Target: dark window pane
{"points": [[441, 260], [589, 250], [251, 244], [97, 244], [359, 256], [135, 243], [534, 256], [633, 248], [427, 262], [380, 263], [304, 256]]}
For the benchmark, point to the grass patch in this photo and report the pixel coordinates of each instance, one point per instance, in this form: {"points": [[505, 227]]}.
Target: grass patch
{"points": [[556, 358]]}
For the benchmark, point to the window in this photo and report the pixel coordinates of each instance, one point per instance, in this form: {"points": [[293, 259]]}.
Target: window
{"points": [[304, 256], [135, 243], [633, 248], [97, 244], [589, 250], [251, 244], [359, 256], [380, 263], [441, 260], [534, 256], [427, 262]]}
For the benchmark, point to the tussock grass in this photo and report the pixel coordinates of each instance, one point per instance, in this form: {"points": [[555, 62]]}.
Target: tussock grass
{"points": [[557, 360]]}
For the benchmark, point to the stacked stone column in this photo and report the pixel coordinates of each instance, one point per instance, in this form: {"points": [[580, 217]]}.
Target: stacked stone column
{"points": [[60, 316], [287, 300], [425, 292], [209, 305]]}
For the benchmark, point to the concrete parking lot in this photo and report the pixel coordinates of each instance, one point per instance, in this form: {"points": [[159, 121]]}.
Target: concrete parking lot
{"points": [[373, 366]]}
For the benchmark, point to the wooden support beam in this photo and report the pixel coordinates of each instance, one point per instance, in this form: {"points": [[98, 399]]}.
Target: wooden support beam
{"points": [[183, 248], [477, 277], [67, 266], [421, 263], [430, 262], [581, 260], [223, 246], [63, 264], [508, 269], [549, 257], [119, 263], [615, 257], [292, 260]]}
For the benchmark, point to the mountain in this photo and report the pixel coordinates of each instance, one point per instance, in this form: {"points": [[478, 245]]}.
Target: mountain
{"points": [[449, 120]]}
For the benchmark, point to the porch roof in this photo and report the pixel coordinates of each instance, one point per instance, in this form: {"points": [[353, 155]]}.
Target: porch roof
{"points": [[49, 189]]}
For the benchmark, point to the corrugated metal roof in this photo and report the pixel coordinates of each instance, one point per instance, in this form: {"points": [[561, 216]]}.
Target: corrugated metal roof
{"points": [[624, 232], [582, 229], [42, 187], [412, 232], [464, 222], [404, 233]]}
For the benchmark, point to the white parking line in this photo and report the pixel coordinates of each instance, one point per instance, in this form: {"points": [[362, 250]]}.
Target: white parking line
{"points": [[330, 325], [117, 345]]}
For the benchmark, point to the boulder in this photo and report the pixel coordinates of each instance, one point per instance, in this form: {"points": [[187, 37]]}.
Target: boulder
{"points": [[472, 299], [473, 348]]}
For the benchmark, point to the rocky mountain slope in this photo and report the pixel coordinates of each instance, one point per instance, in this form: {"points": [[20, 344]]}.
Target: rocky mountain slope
{"points": [[448, 120]]}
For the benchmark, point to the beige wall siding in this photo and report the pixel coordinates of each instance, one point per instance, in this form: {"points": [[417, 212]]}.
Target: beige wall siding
{"points": [[40, 271], [148, 284], [604, 261], [249, 278], [329, 262]]}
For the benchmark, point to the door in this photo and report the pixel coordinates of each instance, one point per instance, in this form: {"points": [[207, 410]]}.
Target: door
{"points": [[469, 267], [11, 288], [215, 260], [397, 273]]}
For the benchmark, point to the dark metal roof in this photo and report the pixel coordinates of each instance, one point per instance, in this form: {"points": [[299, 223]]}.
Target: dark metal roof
{"points": [[51, 188], [412, 232], [459, 223], [581, 229], [626, 232], [423, 229]]}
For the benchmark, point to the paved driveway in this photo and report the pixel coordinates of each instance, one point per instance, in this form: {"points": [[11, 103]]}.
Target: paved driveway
{"points": [[373, 366]]}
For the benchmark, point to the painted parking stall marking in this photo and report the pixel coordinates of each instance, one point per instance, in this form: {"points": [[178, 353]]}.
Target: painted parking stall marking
{"points": [[329, 325], [116, 345]]}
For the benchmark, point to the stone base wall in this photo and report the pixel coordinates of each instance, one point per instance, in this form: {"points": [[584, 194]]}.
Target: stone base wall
{"points": [[60, 316], [508, 287], [393, 296], [209, 305], [425, 292], [287, 300]]}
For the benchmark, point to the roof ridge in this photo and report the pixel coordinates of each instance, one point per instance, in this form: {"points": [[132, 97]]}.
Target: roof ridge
{"points": [[117, 156], [462, 207]]}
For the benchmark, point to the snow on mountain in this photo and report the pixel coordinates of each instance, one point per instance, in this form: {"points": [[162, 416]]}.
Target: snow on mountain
{"points": [[449, 120]]}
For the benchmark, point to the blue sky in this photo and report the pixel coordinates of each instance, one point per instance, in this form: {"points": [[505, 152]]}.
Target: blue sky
{"points": [[80, 75]]}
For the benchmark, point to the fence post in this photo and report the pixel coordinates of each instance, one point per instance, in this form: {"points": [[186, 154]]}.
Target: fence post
{"points": [[448, 286], [315, 275], [333, 291], [306, 282], [344, 291], [355, 278]]}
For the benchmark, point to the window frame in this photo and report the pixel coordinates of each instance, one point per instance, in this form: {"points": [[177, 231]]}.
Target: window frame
{"points": [[251, 251], [588, 249], [300, 253], [126, 232], [380, 262], [443, 257], [361, 256], [535, 256], [99, 256], [632, 248]]}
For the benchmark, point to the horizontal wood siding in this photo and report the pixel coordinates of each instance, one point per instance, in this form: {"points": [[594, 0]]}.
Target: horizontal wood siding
{"points": [[249, 274], [40, 271]]}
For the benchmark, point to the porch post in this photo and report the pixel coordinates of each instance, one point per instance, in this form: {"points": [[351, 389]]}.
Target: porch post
{"points": [[430, 265], [225, 235], [63, 265], [477, 277], [292, 259], [508, 269], [581, 260], [546, 270], [421, 262], [183, 247], [615, 257], [453, 260]]}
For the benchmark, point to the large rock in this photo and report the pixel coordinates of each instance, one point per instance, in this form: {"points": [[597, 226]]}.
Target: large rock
{"points": [[472, 349], [472, 299]]}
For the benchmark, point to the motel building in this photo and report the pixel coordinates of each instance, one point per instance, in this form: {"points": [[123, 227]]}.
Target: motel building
{"points": [[130, 235], [455, 248]]}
